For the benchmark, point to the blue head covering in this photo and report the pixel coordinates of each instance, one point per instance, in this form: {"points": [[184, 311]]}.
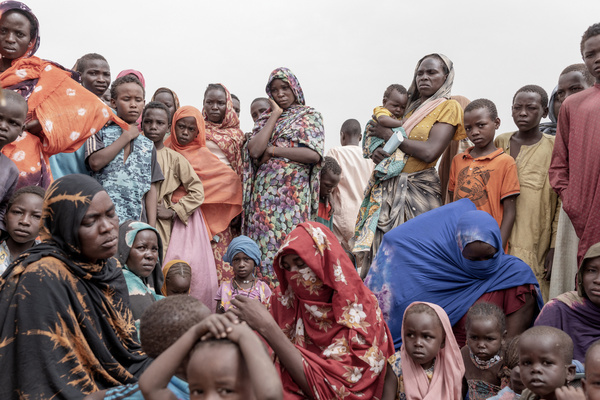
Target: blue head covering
{"points": [[245, 245], [421, 260]]}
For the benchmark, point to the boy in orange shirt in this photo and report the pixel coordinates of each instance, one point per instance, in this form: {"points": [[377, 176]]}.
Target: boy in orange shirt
{"points": [[484, 173]]}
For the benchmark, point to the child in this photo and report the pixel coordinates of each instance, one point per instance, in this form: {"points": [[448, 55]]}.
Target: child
{"points": [[390, 113], [123, 161], [160, 326], [177, 172], [258, 107], [244, 256], [23, 215], [430, 358], [484, 173], [330, 178], [237, 106], [482, 356], [534, 231], [178, 278], [140, 252], [545, 362], [12, 120], [512, 372], [223, 357], [591, 383]]}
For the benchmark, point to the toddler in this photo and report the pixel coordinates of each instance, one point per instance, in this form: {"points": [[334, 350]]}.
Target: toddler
{"points": [[178, 278], [511, 371], [591, 383], [389, 114], [330, 178], [482, 356]]}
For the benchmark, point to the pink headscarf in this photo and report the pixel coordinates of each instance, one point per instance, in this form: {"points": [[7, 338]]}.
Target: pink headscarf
{"points": [[138, 74], [448, 371]]}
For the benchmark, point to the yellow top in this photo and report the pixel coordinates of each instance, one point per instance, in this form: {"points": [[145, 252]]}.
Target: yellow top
{"points": [[381, 111]]}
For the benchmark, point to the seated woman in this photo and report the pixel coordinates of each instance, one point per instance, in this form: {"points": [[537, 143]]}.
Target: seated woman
{"points": [[66, 328], [578, 312], [452, 256], [324, 325]]}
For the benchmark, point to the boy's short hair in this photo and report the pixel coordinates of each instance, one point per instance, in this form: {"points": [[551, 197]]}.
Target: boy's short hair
{"points": [[9, 95], [562, 339], [395, 86], [591, 349], [129, 78], [167, 320], [534, 89], [483, 103], [81, 65], [25, 190], [589, 78], [483, 309], [331, 165], [351, 127], [157, 105], [214, 86], [591, 31]]}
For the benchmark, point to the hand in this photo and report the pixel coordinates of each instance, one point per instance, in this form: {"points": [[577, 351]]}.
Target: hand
{"points": [[252, 311], [266, 156], [381, 132], [215, 326], [163, 212], [379, 155], [133, 132], [569, 393], [548, 265], [34, 127], [276, 110], [239, 331]]}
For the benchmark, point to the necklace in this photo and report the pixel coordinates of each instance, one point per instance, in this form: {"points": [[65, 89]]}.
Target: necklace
{"points": [[237, 287], [481, 364]]}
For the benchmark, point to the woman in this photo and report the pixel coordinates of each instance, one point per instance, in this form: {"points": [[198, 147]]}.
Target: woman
{"points": [[222, 203], [66, 327], [168, 98], [406, 184], [325, 326], [578, 312], [57, 104], [281, 178], [452, 256]]}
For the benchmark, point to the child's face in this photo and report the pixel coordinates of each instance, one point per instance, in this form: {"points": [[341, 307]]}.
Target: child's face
{"points": [[23, 218], [129, 103], [282, 93], [96, 76], [178, 284], [528, 111], [480, 127], [167, 99], [215, 105], [591, 56], [591, 280], [144, 253], [12, 119], [484, 337], [106, 98], [243, 266], [257, 108], [423, 338], [15, 35], [542, 366], [186, 130], [516, 384], [591, 383], [155, 124], [237, 107], [329, 181], [396, 103], [218, 371], [568, 84]]}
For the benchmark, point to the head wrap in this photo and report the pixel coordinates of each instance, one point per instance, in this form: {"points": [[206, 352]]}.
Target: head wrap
{"points": [[414, 101], [137, 74], [288, 77], [245, 245], [593, 252], [448, 371], [7, 6], [128, 231], [421, 260], [165, 272], [172, 93]]}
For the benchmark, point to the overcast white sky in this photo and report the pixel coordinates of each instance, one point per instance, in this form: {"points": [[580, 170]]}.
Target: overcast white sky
{"points": [[345, 53]]}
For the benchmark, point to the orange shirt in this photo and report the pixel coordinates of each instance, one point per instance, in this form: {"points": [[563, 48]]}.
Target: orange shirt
{"points": [[486, 180]]}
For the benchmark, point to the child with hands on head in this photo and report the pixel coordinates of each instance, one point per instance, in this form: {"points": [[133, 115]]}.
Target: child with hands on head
{"points": [[225, 358]]}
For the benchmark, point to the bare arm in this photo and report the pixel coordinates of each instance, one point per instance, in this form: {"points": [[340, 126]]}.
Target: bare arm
{"points": [[390, 387], [151, 204], [519, 321], [508, 218], [258, 144], [298, 154], [389, 122], [101, 158]]}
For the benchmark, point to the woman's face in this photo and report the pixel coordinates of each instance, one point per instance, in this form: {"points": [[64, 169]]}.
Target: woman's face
{"points": [[144, 253], [430, 76], [215, 105], [15, 35], [591, 280], [167, 99], [99, 229], [186, 130], [282, 93], [479, 251]]}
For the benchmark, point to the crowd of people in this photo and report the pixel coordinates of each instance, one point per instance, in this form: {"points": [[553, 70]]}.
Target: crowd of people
{"points": [[157, 251]]}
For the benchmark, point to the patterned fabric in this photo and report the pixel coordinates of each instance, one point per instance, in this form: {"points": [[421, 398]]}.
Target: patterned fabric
{"points": [[227, 135], [401, 388], [325, 215], [421, 260], [33, 164], [126, 181], [179, 388], [481, 390], [5, 257], [229, 290], [506, 394], [280, 194], [66, 328], [331, 318]]}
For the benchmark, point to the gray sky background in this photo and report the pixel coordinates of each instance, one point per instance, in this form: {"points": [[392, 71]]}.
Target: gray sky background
{"points": [[345, 53]]}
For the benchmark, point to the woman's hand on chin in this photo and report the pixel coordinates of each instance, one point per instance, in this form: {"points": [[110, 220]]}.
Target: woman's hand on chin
{"points": [[276, 110], [253, 312]]}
